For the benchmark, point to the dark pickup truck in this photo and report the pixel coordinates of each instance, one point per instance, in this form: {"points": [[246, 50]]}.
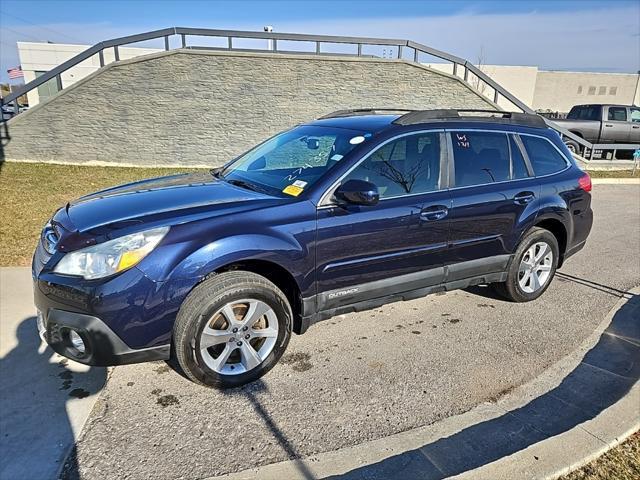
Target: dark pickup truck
{"points": [[602, 124]]}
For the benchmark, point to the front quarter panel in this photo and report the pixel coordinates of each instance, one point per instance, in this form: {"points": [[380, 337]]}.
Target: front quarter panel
{"points": [[284, 235]]}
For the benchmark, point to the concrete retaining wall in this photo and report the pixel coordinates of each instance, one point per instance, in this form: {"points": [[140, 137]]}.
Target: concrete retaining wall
{"points": [[190, 107]]}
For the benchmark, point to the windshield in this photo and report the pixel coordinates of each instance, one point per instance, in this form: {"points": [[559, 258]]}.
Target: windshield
{"points": [[294, 160]]}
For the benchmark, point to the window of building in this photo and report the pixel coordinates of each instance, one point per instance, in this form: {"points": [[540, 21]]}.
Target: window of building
{"points": [[579, 89], [406, 166], [592, 91], [617, 114], [545, 158], [613, 90], [602, 90], [48, 88], [480, 157]]}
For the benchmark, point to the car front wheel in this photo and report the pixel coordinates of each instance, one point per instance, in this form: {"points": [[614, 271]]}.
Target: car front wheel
{"points": [[532, 268], [232, 329]]}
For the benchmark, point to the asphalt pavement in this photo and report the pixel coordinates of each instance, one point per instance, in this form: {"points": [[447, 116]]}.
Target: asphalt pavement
{"points": [[363, 376]]}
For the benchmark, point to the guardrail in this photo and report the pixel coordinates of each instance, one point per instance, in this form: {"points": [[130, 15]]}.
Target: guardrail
{"points": [[317, 40]]}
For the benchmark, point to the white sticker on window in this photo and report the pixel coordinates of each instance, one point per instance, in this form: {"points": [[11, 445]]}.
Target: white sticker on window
{"points": [[300, 183], [336, 157], [357, 140]]}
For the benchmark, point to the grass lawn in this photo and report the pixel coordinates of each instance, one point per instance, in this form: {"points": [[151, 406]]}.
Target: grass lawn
{"points": [[614, 173], [31, 192], [620, 463]]}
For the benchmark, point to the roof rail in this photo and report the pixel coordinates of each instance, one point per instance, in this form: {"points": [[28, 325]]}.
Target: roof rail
{"points": [[515, 118], [363, 111]]}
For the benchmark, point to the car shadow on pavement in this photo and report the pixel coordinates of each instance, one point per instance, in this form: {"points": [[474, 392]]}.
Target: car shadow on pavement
{"points": [[41, 404], [605, 375], [252, 392], [488, 292]]}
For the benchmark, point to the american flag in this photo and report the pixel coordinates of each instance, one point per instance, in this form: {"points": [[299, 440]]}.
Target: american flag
{"points": [[15, 72]]}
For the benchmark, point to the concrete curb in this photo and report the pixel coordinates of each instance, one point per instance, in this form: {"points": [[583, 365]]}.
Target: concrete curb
{"points": [[548, 426]]}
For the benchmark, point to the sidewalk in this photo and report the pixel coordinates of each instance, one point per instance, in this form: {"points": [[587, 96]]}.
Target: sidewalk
{"points": [[45, 399]]}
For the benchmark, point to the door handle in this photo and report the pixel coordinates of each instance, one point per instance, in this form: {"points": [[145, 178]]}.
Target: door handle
{"points": [[635, 126], [523, 198], [608, 125], [435, 212]]}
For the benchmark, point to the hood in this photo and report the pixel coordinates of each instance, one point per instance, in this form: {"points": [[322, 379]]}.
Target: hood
{"points": [[158, 198]]}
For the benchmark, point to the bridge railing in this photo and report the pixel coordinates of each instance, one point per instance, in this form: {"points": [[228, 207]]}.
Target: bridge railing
{"points": [[461, 68]]}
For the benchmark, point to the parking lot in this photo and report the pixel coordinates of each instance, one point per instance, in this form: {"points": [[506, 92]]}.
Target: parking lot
{"points": [[363, 376], [350, 379]]}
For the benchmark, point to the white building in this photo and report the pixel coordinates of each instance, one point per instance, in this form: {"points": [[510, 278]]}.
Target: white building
{"points": [[555, 91], [540, 89], [38, 58]]}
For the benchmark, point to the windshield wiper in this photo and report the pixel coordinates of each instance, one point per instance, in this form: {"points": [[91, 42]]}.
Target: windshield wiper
{"points": [[247, 185]]}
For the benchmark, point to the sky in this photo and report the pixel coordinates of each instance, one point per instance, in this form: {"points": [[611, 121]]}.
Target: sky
{"points": [[583, 35]]}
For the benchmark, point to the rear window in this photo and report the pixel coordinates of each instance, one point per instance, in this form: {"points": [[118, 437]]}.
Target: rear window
{"points": [[480, 157], [545, 158], [585, 112]]}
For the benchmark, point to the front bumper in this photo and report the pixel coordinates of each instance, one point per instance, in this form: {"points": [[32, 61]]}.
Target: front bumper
{"points": [[102, 347], [120, 321]]}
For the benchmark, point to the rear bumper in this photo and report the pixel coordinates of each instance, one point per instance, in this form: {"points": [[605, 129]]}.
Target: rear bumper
{"points": [[582, 224], [102, 347], [573, 250]]}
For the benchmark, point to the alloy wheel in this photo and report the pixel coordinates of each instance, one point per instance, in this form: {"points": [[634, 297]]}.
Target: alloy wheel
{"points": [[239, 336], [535, 267]]}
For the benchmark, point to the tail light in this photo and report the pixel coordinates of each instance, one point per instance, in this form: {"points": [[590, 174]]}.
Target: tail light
{"points": [[584, 182]]}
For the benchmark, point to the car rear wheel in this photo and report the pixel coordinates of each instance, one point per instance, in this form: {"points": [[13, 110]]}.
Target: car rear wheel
{"points": [[232, 329], [572, 145], [532, 268]]}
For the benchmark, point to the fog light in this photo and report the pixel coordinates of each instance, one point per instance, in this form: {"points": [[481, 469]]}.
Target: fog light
{"points": [[76, 341]]}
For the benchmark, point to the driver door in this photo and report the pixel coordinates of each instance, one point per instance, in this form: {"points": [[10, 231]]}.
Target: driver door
{"points": [[399, 244]]}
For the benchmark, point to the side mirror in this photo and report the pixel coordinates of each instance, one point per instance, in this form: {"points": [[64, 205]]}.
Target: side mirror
{"points": [[358, 192]]}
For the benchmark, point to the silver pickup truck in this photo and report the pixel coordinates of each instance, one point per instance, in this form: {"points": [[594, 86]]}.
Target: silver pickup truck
{"points": [[602, 124]]}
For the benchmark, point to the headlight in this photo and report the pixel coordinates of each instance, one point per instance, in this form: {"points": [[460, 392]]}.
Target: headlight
{"points": [[111, 257]]}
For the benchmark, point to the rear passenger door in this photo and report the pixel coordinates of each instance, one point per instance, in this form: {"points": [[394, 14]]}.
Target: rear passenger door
{"points": [[615, 127], [494, 198]]}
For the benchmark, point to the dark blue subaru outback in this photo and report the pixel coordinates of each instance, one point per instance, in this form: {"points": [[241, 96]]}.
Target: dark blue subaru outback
{"points": [[355, 210]]}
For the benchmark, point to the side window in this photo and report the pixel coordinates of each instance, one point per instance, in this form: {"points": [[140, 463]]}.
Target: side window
{"points": [[480, 157], [618, 114], [544, 157], [635, 115], [405, 166], [575, 113], [519, 167]]}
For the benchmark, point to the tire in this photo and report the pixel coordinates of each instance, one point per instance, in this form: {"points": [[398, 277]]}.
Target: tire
{"points": [[513, 288], [572, 145], [209, 315]]}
